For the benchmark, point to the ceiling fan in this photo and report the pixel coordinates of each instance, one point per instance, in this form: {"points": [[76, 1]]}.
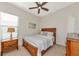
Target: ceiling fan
{"points": [[40, 6]]}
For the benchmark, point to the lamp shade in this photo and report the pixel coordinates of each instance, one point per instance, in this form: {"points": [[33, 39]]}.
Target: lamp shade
{"points": [[11, 30]]}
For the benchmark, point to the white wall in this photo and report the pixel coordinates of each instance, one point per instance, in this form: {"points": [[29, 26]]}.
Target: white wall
{"points": [[60, 20], [24, 19], [59, 23]]}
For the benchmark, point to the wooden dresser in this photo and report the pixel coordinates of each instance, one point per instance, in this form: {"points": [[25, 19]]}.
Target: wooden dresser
{"points": [[72, 47], [9, 45]]}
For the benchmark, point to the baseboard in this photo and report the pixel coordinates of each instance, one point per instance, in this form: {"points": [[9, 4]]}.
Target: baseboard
{"points": [[62, 44]]}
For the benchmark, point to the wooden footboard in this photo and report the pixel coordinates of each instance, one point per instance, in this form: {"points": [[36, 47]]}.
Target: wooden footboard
{"points": [[30, 48], [44, 51]]}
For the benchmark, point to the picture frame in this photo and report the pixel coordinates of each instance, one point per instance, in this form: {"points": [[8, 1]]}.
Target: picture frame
{"points": [[32, 25]]}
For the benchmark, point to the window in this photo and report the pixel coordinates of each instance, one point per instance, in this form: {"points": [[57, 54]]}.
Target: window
{"points": [[7, 20]]}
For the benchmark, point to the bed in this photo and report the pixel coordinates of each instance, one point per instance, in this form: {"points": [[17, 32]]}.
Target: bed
{"points": [[37, 45]]}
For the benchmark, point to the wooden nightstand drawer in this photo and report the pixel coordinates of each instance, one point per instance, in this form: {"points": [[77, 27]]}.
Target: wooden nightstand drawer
{"points": [[9, 45]]}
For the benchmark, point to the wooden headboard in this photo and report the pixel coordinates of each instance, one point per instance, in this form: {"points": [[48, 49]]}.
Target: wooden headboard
{"points": [[51, 30]]}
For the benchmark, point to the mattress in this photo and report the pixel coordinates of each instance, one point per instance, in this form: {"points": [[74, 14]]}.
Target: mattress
{"points": [[39, 41]]}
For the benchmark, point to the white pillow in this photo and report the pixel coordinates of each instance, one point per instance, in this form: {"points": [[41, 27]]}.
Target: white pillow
{"points": [[44, 33], [48, 37], [41, 32], [49, 33]]}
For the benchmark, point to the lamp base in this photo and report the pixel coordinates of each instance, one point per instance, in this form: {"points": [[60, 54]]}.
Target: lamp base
{"points": [[11, 36]]}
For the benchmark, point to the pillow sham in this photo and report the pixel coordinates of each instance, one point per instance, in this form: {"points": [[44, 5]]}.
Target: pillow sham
{"points": [[47, 37], [45, 33], [49, 33]]}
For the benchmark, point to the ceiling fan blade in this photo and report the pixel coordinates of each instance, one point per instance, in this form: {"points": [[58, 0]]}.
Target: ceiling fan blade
{"points": [[33, 7], [38, 11], [44, 3], [45, 9], [37, 4]]}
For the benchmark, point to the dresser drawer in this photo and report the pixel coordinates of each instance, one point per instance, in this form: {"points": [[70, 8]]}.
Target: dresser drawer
{"points": [[9, 45], [75, 44], [72, 47], [9, 42]]}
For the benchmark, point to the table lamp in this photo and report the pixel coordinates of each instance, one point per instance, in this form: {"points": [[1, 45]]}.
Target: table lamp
{"points": [[10, 29]]}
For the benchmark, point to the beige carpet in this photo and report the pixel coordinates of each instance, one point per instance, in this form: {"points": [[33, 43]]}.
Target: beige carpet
{"points": [[56, 50]]}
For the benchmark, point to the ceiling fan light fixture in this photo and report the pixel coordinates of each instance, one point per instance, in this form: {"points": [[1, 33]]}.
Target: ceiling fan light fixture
{"points": [[39, 7]]}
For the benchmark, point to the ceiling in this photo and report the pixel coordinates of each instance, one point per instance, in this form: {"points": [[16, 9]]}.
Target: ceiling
{"points": [[52, 6]]}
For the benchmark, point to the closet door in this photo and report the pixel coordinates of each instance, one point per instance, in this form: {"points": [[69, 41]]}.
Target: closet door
{"points": [[71, 24]]}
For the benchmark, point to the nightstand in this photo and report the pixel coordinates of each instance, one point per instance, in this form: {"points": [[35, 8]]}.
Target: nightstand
{"points": [[9, 45]]}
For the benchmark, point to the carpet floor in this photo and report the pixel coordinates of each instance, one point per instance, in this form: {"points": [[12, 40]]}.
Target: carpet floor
{"points": [[56, 50]]}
